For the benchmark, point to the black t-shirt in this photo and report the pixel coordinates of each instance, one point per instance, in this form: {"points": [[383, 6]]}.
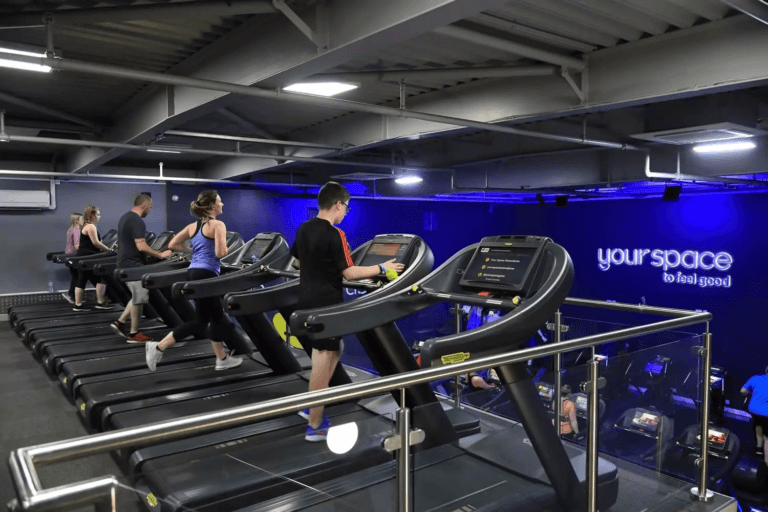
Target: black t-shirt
{"points": [[324, 254], [130, 227]]}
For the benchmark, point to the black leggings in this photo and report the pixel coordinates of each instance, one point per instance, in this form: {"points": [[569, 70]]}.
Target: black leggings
{"points": [[210, 314], [87, 275], [75, 276]]}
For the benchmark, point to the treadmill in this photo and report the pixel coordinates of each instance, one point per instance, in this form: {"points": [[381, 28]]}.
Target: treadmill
{"points": [[176, 476], [175, 374], [84, 319], [61, 350], [17, 314], [527, 276], [56, 257]]}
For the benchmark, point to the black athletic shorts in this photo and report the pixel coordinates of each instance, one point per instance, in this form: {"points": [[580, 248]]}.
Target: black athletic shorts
{"points": [[327, 344], [761, 421]]}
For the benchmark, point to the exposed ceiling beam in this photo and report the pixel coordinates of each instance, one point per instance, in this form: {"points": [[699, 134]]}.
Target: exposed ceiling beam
{"points": [[440, 74], [275, 53], [512, 47], [754, 8], [42, 109], [642, 72], [48, 126], [162, 12], [246, 124], [180, 133]]}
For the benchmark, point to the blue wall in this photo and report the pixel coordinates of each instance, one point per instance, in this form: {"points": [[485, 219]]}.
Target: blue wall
{"points": [[718, 223]]}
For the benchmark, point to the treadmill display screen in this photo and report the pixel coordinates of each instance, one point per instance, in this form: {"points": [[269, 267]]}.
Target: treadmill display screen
{"points": [[715, 380], [506, 266], [656, 367], [546, 392], [256, 250], [601, 359], [581, 403], [379, 253], [161, 242], [645, 419], [716, 438]]}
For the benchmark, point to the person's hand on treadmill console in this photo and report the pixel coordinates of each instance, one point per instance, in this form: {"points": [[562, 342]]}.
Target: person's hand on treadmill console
{"points": [[166, 254], [391, 265]]}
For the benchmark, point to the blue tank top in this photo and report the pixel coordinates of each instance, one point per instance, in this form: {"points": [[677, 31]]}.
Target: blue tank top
{"points": [[204, 251]]}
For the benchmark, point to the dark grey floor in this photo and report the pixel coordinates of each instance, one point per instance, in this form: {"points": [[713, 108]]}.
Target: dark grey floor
{"points": [[33, 410]]}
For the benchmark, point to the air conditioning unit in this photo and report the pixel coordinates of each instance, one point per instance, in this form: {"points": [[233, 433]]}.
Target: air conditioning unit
{"points": [[701, 134], [26, 200]]}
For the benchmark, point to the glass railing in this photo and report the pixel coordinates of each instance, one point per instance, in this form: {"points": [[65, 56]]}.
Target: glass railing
{"points": [[499, 450]]}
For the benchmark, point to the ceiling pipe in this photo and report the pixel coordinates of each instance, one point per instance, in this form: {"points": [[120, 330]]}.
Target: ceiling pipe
{"points": [[179, 133], [440, 74], [505, 45], [129, 177], [42, 109], [162, 12], [753, 8], [211, 152], [679, 176], [303, 99]]}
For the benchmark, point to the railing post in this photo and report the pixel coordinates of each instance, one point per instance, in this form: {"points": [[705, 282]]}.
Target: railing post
{"points": [[457, 380], [558, 369], [593, 406], [404, 490], [701, 493]]}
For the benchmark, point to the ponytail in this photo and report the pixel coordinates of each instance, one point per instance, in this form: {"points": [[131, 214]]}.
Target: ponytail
{"points": [[201, 207]]}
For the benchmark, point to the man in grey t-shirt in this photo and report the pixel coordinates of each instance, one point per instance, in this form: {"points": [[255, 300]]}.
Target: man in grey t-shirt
{"points": [[131, 243]]}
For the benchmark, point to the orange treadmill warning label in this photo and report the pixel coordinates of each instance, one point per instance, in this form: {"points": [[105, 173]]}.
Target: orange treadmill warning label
{"points": [[458, 357], [151, 500]]}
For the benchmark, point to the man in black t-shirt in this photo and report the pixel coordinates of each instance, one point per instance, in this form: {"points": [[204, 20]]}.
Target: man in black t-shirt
{"points": [[131, 243], [323, 256]]}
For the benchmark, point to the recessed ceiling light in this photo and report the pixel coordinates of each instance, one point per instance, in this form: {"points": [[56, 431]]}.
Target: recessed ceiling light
{"points": [[723, 147], [408, 180], [5, 63], [321, 88]]}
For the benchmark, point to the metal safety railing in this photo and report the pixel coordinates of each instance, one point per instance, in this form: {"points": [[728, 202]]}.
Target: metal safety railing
{"points": [[23, 462]]}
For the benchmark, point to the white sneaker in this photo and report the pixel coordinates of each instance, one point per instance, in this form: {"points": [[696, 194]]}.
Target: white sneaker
{"points": [[228, 362], [153, 355], [67, 297]]}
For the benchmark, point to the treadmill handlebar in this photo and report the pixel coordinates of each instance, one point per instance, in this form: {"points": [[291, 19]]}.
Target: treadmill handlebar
{"points": [[259, 301], [164, 277], [137, 273], [50, 255], [105, 268], [235, 281], [90, 263], [62, 256], [74, 261]]}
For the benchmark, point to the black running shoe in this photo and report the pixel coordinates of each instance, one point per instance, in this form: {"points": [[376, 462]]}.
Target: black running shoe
{"points": [[120, 328], [104, 306], [81, 307]]}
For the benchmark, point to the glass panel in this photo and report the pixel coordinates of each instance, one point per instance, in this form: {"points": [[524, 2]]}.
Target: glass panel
{"points": [[269, 466]]}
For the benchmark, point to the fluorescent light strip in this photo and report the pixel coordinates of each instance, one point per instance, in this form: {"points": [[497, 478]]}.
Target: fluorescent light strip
{"points": [[408, 180], [5, 63], [163, 151], [724, 147], [326, 89]]}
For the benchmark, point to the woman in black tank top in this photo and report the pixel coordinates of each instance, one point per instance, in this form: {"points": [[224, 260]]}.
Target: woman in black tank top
{"points": [[90, 243]]}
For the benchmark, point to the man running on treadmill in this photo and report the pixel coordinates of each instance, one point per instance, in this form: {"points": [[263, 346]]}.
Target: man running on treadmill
{"points": [[131, 243], [757, 388], [322, 253]]}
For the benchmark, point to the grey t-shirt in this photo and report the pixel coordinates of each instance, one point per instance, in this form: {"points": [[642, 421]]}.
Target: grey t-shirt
{"points": [[130, 227]]}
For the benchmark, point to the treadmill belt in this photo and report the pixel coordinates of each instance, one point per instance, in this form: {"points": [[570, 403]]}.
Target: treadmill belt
{"points": [[201, 401], [261, 467], [94, 396], [103, 364]]}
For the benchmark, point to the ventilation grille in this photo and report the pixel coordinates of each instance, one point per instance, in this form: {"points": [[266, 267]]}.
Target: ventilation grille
{"points": [[701, 134], [29, 299]]}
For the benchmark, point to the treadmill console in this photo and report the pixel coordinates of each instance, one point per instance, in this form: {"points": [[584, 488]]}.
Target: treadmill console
{"points": [[581, 404], [657, 366], [385, 247], [716, 377], [505, 263], [546, 391], [645, 421], [258, 247], [716, 438]]}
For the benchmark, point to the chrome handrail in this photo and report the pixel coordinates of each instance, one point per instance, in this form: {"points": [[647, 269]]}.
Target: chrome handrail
{"points": [[32, 496]]}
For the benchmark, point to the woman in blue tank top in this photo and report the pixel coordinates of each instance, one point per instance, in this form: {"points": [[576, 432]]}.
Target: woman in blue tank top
{"points": [[209, 245]]}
